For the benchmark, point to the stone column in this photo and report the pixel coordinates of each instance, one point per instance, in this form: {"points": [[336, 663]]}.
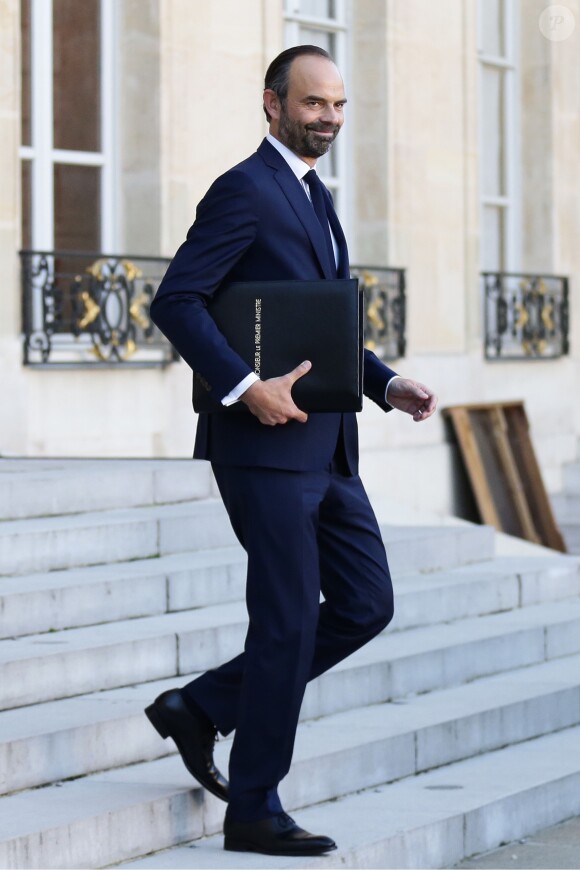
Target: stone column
{"points": [[11, 387], [212, 71], [9, 169], [213, 59], [427, 168]]}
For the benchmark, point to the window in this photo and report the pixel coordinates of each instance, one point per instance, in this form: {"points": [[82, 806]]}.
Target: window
{"points": [[499, 135], [323, 23], [67, 115]]}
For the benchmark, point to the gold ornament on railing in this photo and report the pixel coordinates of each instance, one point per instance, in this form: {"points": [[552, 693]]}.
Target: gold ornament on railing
{"points": [[369, 279], [98, 269], [92, 310], [137, 310]]}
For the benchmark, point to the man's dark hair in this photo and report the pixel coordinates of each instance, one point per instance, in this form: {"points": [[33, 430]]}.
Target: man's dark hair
{"points": [[278, 73]]}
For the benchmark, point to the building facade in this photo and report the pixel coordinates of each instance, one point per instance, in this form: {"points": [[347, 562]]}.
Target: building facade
{"points": [[459, 162]]}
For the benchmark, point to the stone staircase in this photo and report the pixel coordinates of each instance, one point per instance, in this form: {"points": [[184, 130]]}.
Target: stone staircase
{"points": [[567, 506], [455, 730]]}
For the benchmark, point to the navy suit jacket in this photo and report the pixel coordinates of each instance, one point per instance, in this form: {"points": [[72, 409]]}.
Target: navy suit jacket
{"points": [[255, 223]]}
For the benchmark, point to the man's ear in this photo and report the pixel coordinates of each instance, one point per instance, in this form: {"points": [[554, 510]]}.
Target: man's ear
{"points": [[272, 103]]}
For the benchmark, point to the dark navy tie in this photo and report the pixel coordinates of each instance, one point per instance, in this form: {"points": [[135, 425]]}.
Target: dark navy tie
{"points": [[321, 207]]}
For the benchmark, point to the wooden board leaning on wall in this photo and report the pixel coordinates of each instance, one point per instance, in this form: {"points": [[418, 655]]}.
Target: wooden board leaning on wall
{"points": [[503, 471]]}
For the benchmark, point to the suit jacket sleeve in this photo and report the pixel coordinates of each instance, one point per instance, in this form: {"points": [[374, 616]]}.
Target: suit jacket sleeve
{"points": [[376, 378], [224, 228]]}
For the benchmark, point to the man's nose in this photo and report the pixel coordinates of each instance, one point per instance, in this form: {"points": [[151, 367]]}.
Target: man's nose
{"points": [[330, 115]]}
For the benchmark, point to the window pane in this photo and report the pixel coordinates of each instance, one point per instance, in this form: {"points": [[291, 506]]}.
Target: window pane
{"points": [[326, 166], [26, 132], [493, 131], [77, 209], [77, 98], [26, 203], [492, 247], [321, 38], [492, 19], [317, 8]]}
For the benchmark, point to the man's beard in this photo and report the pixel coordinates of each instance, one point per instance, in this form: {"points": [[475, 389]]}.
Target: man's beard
{"points": [[302, 139]]}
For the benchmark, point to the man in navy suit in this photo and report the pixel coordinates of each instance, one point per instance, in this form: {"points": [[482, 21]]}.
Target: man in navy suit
{"points": [[289, 480]]}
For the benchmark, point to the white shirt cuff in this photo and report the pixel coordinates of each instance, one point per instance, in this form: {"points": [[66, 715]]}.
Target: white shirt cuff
{"points": [[394, 378], [241, 388]]}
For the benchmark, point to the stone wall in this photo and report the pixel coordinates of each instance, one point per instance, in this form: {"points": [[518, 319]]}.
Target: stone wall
{"points": [[428, 221], [190, 107]]}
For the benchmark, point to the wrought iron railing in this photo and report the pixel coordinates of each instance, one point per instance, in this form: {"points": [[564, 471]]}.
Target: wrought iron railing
{"points": [[83, 309], [385, 309], [526, 315]]}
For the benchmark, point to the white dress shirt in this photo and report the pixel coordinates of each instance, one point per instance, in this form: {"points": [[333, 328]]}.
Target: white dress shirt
{"points": [[299, 167]]}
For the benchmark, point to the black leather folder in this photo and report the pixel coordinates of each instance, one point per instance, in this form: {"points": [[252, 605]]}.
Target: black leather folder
{"points": [[275, 325]]}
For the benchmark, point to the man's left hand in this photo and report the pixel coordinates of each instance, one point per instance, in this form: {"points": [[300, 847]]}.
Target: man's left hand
{"points": [[412, 398]]}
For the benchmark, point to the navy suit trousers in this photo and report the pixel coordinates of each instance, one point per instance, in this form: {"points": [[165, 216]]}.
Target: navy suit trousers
{"points": [[305, 533]]}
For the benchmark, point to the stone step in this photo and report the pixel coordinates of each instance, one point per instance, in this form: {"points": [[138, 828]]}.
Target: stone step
{"points": [[571, 536], [34, 750], [133, 810], [38, 488], [45, 544], [566, 507], [482, 588], [53, 543], [47, 667], [90, 733], [61, 664], [434, 657], [436, 548], [571, 477], [435, 819], [567, 512], [106, 593], [75, 596]]}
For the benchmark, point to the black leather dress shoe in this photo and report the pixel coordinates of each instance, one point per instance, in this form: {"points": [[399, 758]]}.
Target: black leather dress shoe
{"points": [[279, 835], [194, 737]]}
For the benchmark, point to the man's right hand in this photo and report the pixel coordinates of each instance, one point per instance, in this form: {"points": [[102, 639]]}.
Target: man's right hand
{"points": [[271, 401]]}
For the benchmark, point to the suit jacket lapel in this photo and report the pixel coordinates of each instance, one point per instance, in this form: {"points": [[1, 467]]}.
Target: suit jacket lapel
{"points": [[296, 196]]}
